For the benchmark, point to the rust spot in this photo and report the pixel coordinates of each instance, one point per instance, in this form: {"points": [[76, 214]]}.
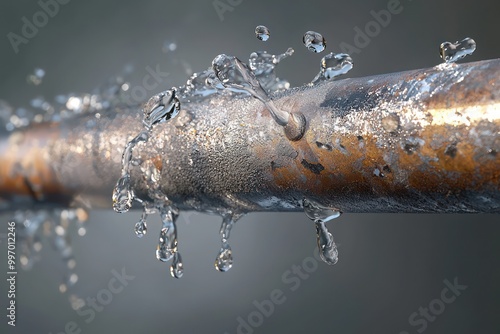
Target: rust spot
{"points": [[315, 168]]}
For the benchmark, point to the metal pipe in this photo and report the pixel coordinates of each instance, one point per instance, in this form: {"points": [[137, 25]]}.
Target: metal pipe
{"points": [[418, 141]]}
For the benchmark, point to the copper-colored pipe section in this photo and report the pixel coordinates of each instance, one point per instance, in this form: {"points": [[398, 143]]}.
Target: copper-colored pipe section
{"points": [[418, 141]]}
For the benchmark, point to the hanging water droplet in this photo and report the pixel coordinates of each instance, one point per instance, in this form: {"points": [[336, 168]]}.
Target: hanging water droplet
{"points": [[122, 196], [141, 227], [326, 245], [167, 244], [451, 52], [160, 108], [314, 41], [334, 65], [224, 260], [177, 268], [320, 215], [262, 33], [36, 77]]}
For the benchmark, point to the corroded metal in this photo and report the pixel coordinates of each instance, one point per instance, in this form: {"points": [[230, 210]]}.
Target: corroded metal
{"points": [[418, 141]]}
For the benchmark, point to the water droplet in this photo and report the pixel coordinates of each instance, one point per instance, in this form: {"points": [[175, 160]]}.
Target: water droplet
{"points": [[122, 196], [177, 268], [314, 41], [326, 245], [334, 65], [36, 77], [262, 33], [451, 52], [160, 108], [167, 244], [320, 215], [224, 260], [141, 228]]}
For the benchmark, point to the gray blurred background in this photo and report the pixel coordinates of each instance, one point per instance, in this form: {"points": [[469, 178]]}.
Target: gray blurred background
{"points": [[390, 265]]}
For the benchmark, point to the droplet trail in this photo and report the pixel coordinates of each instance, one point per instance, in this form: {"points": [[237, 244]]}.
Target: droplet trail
{"points": [[320, 215]]}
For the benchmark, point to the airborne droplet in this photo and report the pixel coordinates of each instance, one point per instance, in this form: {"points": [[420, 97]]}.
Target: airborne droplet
{"points": [[314, 41], [262, 33], [36, 77], [451, 52]]}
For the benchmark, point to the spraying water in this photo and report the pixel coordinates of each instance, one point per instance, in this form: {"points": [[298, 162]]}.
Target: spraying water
{"points": [[451, 52]]}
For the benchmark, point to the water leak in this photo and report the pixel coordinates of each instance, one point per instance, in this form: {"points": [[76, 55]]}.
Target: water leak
{"points": [[262, 33], [334, 65], [224, 259], [320, 215], [451, 52], [234, 74], [314, 41]]}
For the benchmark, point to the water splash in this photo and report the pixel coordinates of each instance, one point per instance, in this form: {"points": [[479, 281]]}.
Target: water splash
{"points": [[159, 108], [262, 33], [54, 225], [451, 52], [314, 41], [320, 215], [36, 77], [233, 73], [224, 259], [263, 65], [333, 65]]}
